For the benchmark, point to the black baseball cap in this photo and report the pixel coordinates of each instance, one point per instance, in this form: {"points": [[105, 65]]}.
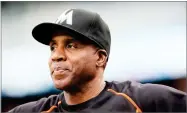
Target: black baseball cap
{"points": [[78, 23]]}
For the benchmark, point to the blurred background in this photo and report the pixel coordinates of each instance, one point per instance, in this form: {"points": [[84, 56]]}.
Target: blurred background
{"points": [[148, 45]]}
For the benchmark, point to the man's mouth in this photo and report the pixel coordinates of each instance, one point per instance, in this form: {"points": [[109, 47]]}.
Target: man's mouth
{"points": [[59, 69], [59, 72]]}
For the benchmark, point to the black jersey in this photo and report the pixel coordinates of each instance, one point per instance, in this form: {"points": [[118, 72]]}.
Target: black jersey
{"points": [[116, 97]]}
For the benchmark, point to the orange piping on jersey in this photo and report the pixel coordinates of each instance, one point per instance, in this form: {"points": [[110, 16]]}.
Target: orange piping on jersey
{"points": [[138, 110], [52, 108], [59, 102]]}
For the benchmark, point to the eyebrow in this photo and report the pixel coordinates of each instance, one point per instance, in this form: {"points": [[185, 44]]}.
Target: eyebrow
{"points": [[71, 40], [52, 42], [66, 41]]}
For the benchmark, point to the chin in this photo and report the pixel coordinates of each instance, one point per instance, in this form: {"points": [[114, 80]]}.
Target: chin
{"points": [[66, 85], [61, 81], [61, 84]]}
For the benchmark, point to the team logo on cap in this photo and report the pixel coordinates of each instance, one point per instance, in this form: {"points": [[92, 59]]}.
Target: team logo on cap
{"points": [[65, 16]]}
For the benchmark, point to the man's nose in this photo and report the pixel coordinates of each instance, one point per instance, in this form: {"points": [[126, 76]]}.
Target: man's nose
{"points": [[58, 55]]}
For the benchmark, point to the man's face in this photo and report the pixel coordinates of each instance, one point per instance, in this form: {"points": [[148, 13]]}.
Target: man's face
{"points": [[72, 62]]}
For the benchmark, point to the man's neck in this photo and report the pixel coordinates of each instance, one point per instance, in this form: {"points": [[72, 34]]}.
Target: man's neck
{"points": [[90, 90]]}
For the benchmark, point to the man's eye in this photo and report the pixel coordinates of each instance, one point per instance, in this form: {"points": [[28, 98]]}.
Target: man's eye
{"points": [[71, 45], [52, 48]]}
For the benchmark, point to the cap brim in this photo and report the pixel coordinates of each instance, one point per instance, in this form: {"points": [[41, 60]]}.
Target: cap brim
{"points": [[44, 31]]}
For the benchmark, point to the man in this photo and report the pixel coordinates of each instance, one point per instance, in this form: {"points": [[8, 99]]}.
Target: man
{"points": [[80, 42]]}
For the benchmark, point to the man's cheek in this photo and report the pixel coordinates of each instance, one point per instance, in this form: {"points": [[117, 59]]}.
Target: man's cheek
{"points": [[49, 64]]}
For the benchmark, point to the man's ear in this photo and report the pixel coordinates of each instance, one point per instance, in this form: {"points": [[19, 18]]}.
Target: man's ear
{"points": [[102, 58]]}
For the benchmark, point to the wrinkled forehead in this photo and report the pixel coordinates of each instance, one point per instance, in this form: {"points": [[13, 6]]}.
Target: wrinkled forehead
{"points": [[61, 38], [61, 35], [69, 35]]}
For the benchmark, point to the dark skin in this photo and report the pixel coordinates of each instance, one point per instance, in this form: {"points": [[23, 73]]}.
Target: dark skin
{"points": [[77, 67]]}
